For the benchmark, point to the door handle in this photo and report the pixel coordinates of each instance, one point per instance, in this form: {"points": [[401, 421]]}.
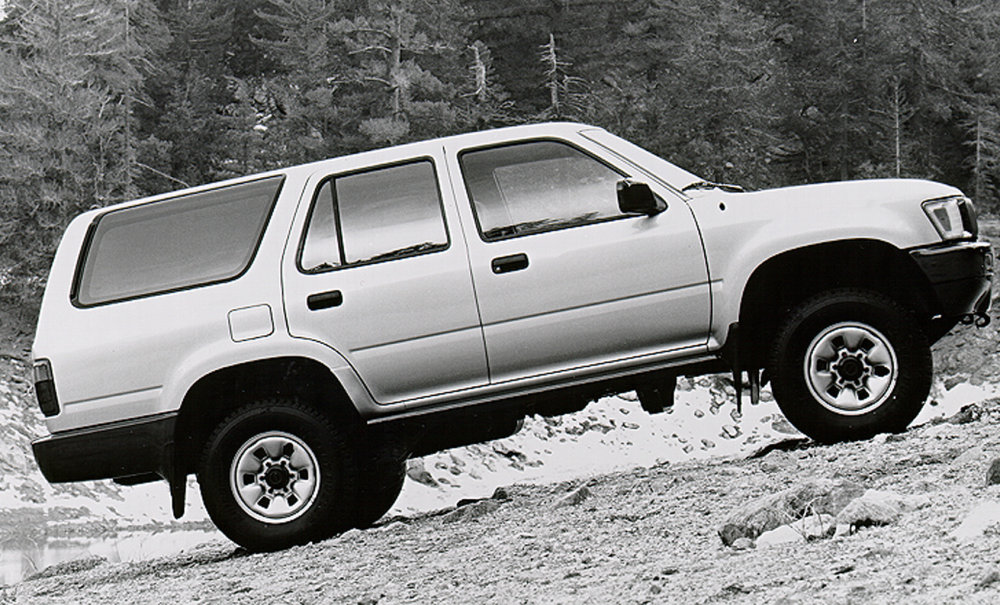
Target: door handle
{"points": [[506, 264], [324, 300]]}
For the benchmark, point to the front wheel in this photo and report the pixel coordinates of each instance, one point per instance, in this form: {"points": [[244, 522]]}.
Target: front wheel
{"points": [[278, 473], [849, 364]]}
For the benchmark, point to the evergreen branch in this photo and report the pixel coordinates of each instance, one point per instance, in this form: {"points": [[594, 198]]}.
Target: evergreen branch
{"points": [[162, 174], [373, 47]]}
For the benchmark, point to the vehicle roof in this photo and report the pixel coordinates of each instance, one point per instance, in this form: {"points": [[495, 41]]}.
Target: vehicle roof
{"points": [[507, 132]]}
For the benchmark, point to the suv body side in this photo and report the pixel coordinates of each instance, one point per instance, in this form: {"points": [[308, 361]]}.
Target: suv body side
{"points": [[499, 302]]}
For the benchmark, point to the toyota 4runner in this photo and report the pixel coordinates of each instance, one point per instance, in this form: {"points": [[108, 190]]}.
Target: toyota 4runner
{"points": [[292, 337]]}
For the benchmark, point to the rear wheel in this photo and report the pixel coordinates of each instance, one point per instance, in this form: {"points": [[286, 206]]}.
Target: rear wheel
{"points": [[278, 473], [848, 364]]}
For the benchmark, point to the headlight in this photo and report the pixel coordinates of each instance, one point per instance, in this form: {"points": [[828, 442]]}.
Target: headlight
{"points": [[953, 217]]}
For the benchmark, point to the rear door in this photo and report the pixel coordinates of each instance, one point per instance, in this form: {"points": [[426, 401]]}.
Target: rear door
{"points": [[563, 279], [375, 271]]}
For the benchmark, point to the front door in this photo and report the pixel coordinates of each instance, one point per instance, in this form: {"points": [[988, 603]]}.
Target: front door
{"points": [[378, 277], [564, 280]]}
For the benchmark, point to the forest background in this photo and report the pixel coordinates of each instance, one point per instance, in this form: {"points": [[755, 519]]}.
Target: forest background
{"points": [[107, 100]]}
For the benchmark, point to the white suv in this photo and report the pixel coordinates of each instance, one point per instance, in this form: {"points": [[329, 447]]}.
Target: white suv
{"points": [[292, 337]]}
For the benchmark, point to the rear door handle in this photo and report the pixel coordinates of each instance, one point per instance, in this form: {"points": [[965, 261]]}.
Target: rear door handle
{"points": [[324, 300], [514, 262]]}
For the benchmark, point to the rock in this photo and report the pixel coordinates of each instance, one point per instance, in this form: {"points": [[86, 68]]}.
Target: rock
{"points": [[823, 496], [574, 498], [730, 431], [784, 445], [783, 426], [969, 456], [808, 528], [952, 381], [989, 579], [993, 473], [873, 508], [743, 544], [969, 413], [416, 471], [783, 534], [977, 521], [471, 511], [500, 493]]}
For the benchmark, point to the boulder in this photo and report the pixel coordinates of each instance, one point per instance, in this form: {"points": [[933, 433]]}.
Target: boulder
{"points": [[825, 496], [471, 511], [575, 498], [807, 528], [873, 508]]}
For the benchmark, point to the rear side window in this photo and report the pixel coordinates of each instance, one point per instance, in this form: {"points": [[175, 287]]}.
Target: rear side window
{"points": [[186, 241], [374, 216]]}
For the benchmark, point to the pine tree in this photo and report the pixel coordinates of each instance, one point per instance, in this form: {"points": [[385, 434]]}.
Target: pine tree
{"points": [[70, 74], [707, 87], [402, 56], [566, 92], [485, 104]]}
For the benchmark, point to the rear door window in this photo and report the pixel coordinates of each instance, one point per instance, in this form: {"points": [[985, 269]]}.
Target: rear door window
{"points": [[373, 216], [177, 243]]}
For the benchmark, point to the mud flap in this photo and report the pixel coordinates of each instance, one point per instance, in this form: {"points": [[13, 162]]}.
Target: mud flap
{"points": [[176, 480], [656, 396]]}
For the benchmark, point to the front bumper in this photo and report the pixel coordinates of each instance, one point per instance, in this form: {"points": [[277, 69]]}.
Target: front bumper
{"points": [[120, 449], [961, 276]]}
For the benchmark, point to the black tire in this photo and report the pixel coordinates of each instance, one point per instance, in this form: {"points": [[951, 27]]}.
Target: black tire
{"points": [[848, 364], [379, 483], [301, 455]]}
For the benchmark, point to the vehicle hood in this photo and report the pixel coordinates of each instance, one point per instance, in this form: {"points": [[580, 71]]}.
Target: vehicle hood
{"points": [[875, 191]]}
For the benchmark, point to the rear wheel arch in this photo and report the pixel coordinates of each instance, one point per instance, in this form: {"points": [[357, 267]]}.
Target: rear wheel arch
{"points": [[217, 394]]}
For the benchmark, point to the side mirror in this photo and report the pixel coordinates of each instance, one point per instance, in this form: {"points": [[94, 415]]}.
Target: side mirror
{"points": [[638, 198]]}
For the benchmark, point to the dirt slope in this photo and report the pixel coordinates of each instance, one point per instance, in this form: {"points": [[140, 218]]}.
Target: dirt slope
{"points": [[642, 536]]}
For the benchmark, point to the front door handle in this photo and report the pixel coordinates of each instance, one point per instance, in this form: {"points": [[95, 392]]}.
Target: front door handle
{"points": [[514, 262], [324, 300]]}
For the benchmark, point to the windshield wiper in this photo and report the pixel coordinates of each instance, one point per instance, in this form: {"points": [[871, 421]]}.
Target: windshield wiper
{"points": [[710, 185]]}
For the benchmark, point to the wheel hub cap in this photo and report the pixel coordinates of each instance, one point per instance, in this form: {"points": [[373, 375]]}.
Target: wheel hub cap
{"points": [[851, 368], [274, 477]]}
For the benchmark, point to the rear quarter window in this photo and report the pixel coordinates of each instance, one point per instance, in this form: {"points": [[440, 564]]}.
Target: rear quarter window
{"points": [[181, 242]]}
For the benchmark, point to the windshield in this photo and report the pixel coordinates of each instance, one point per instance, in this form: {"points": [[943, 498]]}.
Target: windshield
{"points": [[676, 177]]}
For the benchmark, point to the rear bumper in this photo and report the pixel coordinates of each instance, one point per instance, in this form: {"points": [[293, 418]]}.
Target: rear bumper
{"points": [[120, 449], [961, 276]]}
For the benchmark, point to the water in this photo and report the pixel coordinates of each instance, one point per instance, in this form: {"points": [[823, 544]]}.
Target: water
{"points": [[18, 561]]}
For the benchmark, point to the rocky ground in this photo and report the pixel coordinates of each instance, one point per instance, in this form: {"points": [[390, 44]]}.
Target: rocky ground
{"points": [[908, 517], [649, 535]]}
